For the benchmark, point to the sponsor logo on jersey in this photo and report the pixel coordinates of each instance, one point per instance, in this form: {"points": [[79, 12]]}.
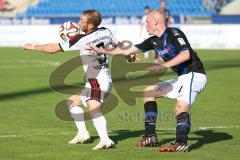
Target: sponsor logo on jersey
{"points": [[181, 41], [165, 51]]}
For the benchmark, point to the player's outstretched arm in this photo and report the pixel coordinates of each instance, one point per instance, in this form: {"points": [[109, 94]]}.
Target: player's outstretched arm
{"points": [[47, 48], [115, 51]]}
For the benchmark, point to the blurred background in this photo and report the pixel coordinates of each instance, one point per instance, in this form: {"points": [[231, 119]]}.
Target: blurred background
{"points": [[207, 23]]}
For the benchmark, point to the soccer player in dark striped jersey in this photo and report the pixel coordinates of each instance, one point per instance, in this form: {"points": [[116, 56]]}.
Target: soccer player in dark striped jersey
{"points": [[173, 47]]}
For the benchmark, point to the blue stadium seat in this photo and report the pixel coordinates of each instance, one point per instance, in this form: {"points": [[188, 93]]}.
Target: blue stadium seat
{"points": [[113, 7]]}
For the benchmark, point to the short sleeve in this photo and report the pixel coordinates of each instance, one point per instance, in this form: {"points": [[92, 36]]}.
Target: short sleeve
{"points": [[145, 45], [70, 45], [64, 46], [180, 41]]}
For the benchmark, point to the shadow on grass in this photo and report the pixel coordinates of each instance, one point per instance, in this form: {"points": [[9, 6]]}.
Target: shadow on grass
{"points": [[206, 137], [121, 135]]}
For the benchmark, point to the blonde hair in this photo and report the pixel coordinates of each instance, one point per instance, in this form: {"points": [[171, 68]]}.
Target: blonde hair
{"points": [[94, 17]]}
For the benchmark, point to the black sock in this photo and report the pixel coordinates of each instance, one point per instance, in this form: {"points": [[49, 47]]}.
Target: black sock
{"points": [[183, 127], [151, 116]]}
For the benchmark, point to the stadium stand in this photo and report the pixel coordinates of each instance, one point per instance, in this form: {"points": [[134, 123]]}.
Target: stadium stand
{"points": [[9, 8], [60, 8], [5, 6], [108, 8], [232, 8]]}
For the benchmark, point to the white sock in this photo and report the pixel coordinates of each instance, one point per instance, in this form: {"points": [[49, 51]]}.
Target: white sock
{"points": [[100, 124], [77, 114]]}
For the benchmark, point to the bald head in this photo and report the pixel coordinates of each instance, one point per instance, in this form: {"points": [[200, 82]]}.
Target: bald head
{"points": [[157, 16], [156, 22]]}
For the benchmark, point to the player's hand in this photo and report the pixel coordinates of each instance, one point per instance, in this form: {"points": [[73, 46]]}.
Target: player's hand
{"points": [[28, 46], [94, 49], [137, 56], [155, 68], [133, 57]]}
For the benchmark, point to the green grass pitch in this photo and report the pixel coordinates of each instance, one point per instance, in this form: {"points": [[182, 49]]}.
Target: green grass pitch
{"points": [[30, 129]]}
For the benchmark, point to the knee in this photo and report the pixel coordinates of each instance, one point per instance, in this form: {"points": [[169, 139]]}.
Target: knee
{"points": [[149, 90], [149, 93], [73, 100], [94, 107], [181, 107], [93, 112]]}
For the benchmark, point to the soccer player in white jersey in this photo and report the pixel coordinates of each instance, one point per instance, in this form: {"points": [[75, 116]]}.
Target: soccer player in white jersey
{"points": [[97, 76]]}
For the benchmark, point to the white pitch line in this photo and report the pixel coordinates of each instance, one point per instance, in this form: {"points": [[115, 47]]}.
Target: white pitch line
{"points": [[28, 135], [201, 128], [217, 127], [14, 136], [68, 133], [29, 64], [27, 61]]}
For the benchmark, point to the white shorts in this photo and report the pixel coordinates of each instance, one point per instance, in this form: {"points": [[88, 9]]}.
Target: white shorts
{"points": [[95, 89], [186, 87]]}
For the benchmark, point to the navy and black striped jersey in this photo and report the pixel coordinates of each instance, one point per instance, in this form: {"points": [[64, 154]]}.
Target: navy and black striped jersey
{"points": [[172, 42]]}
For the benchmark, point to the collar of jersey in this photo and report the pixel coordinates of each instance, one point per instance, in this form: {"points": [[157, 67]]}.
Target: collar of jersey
{"points": [[164, 35]]}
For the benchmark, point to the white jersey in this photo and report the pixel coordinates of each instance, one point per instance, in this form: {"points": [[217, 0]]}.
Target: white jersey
{"points": [[96, 68], [94, 65]]}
